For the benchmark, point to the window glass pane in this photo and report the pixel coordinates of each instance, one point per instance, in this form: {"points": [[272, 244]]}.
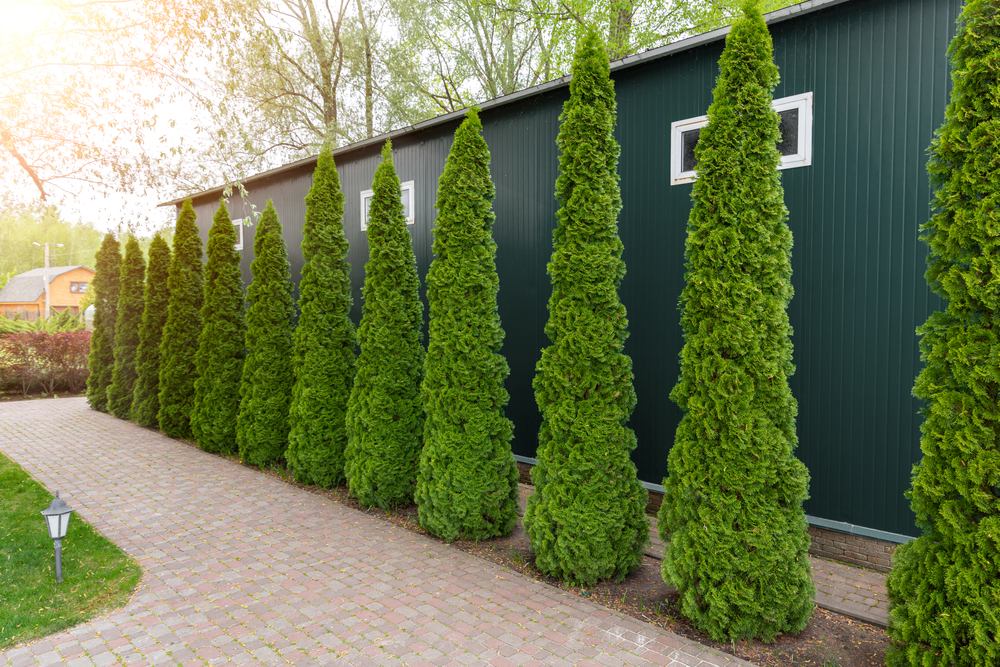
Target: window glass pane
{"points": [[368, 205], [406, 195], [788, 144], [83, 287], [74, 287], [689, 140]]}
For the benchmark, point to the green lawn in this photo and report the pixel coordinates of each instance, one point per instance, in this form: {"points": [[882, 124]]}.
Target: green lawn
{"points": [[97, 575]]}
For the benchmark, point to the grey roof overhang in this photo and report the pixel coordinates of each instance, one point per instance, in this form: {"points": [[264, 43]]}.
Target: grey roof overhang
{"points": [[629, 61]]}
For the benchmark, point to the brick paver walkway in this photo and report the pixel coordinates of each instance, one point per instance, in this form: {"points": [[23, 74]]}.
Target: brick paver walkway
{"points": [[243, 569]]}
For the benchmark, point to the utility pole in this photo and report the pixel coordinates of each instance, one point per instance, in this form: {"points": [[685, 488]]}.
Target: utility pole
{"points": [[58, 245]]}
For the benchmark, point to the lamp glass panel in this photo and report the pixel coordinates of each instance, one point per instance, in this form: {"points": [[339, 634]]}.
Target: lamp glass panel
{"points": [[63, 524], [52, 521]]}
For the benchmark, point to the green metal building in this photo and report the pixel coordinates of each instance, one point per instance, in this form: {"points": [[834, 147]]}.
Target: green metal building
{"points": [[864, 85]]}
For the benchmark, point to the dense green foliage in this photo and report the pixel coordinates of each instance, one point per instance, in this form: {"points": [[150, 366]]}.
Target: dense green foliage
{"points": [[324, 339], [586, 519], [106, 284], [179, 342], [385, 416], [221, 350], [266, 387], [467, 484], [944, 589], [130, 307], [63, 321], [733, 505], [156, 298], [97, 575]]}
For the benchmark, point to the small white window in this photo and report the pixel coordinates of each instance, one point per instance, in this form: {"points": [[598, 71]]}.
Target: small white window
{"points": [[405, 195], [795, 144], [239, 234]]}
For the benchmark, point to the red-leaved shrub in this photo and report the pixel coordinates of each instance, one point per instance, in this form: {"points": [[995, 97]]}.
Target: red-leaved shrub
{"points": [[53, 361]]}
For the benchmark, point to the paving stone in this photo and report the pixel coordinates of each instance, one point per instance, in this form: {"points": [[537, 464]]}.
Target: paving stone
{"points": [[242, 569]]}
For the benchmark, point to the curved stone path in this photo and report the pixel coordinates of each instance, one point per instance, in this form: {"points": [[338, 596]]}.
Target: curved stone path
{"points": [[241, 569]]}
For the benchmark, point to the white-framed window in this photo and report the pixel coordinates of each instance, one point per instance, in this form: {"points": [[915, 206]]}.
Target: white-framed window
{"points": [[238, 223], [406, 195], [795, 145]]}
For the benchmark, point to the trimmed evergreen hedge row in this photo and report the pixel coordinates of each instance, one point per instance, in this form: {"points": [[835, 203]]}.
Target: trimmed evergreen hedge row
{"points": [[324, 338], [179, 342], [732, 513], [221, 350], [266, 386], [467, 483], [587, 517], [944, 588], [130, 307], [385, 416], [106, 285], [156, 297]]}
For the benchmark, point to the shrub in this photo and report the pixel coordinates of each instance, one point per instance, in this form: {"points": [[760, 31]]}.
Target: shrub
{"points": [[586, 519], [106, 284], [53, 361], [324, 339], [467, 484], [179, 342], [130, 307], [944, 588], [156, 297], [221, 346], [733, 505], [385, 416], [266, 388]]}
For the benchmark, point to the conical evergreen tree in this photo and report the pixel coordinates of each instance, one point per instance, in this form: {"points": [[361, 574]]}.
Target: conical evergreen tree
{"points": [[467, 485], [266, 388], [179, 343], [130, 307], [944, 588], [221, 350], [156, 296], [733, 505], [385, 417], [586, 519], [324, 338], [106, 285]]}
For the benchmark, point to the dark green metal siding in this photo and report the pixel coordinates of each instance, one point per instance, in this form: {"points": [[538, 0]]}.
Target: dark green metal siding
{"points": [[879, 73]]}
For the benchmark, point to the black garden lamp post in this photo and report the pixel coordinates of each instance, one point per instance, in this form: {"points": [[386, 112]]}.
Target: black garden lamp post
{"points": [[57, 520]]}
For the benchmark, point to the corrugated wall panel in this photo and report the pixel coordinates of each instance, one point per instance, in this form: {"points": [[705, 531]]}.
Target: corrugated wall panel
{"points": [[880, 78]]}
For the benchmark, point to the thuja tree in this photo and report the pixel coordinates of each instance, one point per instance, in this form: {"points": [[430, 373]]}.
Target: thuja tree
{"points": [[219, 361], [324, 338], [179, 343], [130, 307], [467, 483], [145, 398], [266, 387], [586, 520], [385, 416], [944, 589], [106, 285], [732, 511]]}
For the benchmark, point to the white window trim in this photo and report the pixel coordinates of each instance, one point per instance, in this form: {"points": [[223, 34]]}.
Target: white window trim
{"points": [[403, 187], [802, 157], [238, 223]]}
